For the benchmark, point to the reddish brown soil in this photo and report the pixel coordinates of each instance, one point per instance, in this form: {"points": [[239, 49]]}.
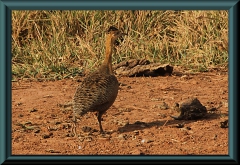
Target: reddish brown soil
{"points": [[137, 123]]}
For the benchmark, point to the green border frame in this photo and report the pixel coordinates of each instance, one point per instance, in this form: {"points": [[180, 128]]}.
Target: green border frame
{"points": [[5, 71]]}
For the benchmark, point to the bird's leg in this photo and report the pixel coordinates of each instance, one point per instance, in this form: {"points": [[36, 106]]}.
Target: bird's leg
{"points": [[74, 125], [99, 117]]}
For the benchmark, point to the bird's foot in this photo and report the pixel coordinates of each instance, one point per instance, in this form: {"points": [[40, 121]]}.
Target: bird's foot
{"points": [[105, 135]]}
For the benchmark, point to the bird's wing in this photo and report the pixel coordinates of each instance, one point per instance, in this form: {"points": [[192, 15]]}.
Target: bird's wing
{"points": [[96, 90]]}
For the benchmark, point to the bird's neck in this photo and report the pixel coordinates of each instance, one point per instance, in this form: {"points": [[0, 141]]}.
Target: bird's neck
{"points": [[106, 66]]}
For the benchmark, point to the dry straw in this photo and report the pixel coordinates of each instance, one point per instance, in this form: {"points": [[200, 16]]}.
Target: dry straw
{"points": [[62, 44]]}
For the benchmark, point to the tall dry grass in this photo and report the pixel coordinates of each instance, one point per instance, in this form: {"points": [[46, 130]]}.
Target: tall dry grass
{"points": [[62, 44]]}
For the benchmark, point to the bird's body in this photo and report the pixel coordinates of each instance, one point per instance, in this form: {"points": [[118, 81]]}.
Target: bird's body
{"points": [[96, 94], [98, 90]]}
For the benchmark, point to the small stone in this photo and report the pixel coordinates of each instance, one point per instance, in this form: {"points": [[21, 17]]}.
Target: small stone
{"points": [[122, 136], [58, 122], [38, 117], [19, 103], [150, 140], [20, 115], [164, 106], [143, 140], [33, 110], [136, 132], [215, 137], [180, 125], [224, 124], [46, 136], [88, 138]]}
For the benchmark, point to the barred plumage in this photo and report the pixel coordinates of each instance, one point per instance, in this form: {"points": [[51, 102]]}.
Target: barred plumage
{"points": [[99, 89]]}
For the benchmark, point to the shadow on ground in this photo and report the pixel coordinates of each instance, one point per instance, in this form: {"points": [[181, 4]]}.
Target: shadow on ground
{"points": [[138, 125]]}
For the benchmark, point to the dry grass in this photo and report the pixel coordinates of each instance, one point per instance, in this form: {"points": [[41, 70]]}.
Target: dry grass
{"points": [[62, 44]]}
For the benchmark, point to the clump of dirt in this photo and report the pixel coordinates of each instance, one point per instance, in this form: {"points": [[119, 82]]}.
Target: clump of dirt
{"points": [[191, 109]]}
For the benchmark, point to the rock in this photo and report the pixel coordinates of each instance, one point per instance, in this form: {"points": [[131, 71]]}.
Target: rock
{"points": [[191, 109], [224, 124], [122, 136]]}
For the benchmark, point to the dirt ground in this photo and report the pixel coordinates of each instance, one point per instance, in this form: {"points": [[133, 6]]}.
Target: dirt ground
{"points": [[138, 123]]}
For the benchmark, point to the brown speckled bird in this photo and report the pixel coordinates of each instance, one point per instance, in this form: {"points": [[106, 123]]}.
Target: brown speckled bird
{"points": [[99, 89]]}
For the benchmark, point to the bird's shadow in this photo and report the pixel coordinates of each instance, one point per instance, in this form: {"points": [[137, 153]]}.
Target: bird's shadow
{"points": [[138, 125]]}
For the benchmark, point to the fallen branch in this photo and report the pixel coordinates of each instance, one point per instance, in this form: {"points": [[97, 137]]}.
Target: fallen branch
{"points": [[143, 67]]}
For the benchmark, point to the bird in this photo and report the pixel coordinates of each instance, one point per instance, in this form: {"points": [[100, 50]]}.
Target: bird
{"points": [[99, 90]]}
